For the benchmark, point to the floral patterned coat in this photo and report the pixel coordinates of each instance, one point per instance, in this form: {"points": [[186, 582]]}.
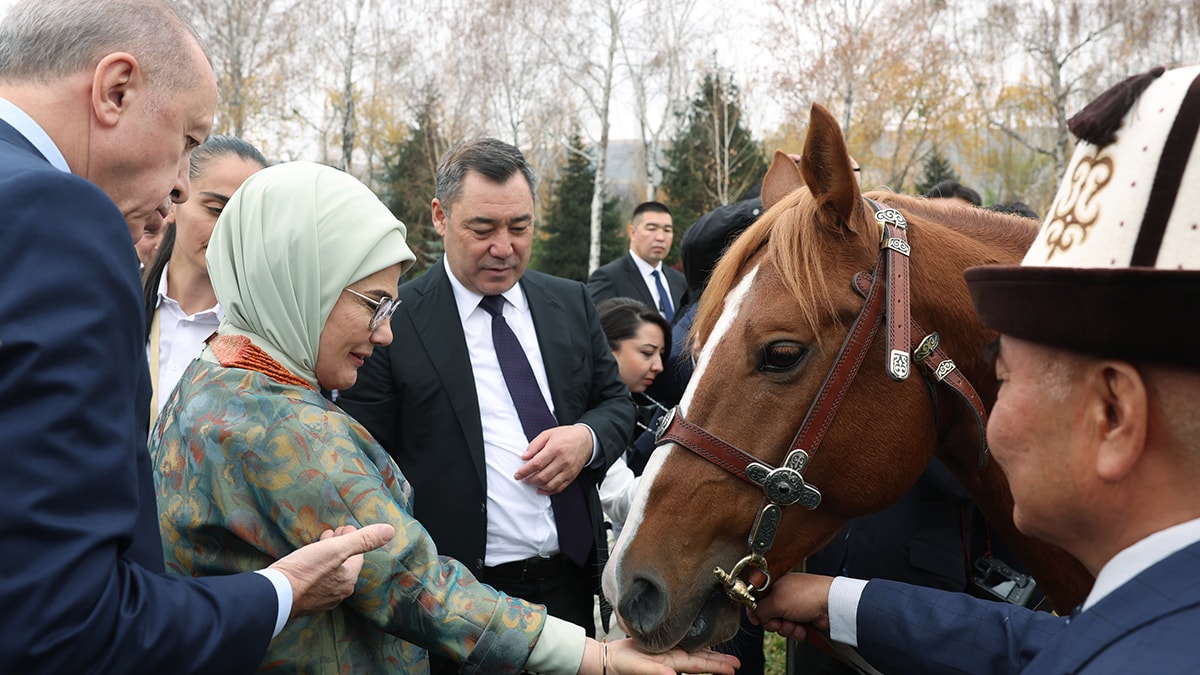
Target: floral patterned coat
{"points": [[248, 469]]}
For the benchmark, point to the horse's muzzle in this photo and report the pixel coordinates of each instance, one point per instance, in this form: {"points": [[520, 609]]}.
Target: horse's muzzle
{"points": [[645, 611]]}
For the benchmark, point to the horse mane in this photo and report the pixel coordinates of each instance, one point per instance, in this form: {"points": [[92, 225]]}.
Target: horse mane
{"points": [[990, 227], [795, 247], [787, 234]]}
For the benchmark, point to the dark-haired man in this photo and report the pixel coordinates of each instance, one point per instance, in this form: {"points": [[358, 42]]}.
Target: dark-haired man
{"points": [[499, 397], [641, 274]]}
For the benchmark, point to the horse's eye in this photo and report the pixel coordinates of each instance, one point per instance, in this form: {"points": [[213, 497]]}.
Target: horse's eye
{"points": [[779, 357]]}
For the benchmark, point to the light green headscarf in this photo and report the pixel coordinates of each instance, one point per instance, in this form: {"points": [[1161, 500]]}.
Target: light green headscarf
{"points": [[290, 239]]}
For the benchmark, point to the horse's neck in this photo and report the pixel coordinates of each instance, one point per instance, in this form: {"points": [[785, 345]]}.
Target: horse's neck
{"points": [[941, 303], [940, 300]]}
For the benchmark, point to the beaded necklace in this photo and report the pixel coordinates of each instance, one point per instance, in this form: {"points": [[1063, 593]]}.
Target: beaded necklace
{"points": [[237, 351]]}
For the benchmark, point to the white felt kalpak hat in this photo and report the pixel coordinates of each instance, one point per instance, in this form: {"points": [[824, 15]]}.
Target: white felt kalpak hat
{"points": [[1115, 269]]}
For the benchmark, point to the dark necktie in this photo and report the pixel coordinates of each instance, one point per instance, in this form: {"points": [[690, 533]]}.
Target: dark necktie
{"points": [[664, 298], [575, 537]]}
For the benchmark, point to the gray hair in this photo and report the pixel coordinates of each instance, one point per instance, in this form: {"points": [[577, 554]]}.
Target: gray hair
{"points": [[41, 40], [491, 158]]}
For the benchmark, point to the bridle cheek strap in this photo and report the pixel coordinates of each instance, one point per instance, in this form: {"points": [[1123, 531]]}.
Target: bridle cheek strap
{"points": [[894, 240], [930, 355]]}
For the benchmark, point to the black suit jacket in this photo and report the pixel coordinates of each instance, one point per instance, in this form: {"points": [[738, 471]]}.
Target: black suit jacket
{"points": [[417, 398], [621, 278], [81, 582]]}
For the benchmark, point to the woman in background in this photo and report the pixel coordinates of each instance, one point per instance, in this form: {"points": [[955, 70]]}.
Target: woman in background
{"points": [[640, 340], [181, 308]]}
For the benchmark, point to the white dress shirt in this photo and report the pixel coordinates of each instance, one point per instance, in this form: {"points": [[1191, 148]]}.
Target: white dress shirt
{"points": [[520, 521], [181, 337], [645, 269]]}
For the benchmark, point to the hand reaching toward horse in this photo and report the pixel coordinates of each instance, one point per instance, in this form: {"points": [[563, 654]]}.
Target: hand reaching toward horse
{"points": [[622, 658], [324, 573], [794, 600]]}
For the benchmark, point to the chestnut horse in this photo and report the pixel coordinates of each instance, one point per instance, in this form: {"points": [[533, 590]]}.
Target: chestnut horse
{"points": [[768, 333]]}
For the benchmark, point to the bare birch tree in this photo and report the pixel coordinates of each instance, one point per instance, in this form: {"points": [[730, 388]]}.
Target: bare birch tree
{"points": [[658, 50], [252, 43], [360, 55], [584, 39], [883, 67]]}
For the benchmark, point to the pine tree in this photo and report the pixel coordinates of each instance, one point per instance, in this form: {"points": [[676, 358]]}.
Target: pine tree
{"points": [[936, 169], [713, 160], [408, 183], [562, 247]]}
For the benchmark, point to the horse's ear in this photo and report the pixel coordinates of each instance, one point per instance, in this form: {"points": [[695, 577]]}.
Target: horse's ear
{"points": [[782, 179], [826, 168]]}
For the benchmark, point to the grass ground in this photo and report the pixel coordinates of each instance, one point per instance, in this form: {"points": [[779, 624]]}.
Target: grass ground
{"points": [[775, 653]]}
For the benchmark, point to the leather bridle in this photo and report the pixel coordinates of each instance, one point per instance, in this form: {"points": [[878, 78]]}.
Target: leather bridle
{"points": [[885, 301]]}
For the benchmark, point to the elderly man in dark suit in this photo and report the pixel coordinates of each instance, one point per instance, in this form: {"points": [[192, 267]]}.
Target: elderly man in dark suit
{"points": [[641, 274], [101, 104], [499, 397], [1095, 425]]}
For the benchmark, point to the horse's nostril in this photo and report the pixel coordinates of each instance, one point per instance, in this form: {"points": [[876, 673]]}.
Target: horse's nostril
{"points": [[644, 606]]}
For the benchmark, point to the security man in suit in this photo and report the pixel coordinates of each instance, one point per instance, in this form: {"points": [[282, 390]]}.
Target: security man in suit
{"points": [[1095, 425], [641, 274], [499, 398]]}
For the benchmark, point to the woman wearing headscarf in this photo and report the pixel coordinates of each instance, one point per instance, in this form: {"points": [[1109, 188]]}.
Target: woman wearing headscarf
{"points": [[252, 462]]}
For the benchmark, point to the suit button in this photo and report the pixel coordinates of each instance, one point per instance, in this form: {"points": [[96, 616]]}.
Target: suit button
{"points": [[483, 507], [479, 563]]}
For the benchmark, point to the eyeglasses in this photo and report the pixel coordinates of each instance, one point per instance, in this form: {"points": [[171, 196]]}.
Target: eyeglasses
{"points": [[385, 307]]}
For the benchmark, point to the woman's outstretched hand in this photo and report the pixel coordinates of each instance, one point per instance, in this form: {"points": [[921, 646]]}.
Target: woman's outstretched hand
{"points": [[625, 659]]}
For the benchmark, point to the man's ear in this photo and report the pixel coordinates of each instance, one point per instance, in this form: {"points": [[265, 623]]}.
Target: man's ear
{"points": [[117, 79], [439, 217], [1121, 414]]}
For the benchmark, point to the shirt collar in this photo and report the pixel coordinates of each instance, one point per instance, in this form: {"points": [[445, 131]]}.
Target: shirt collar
{"points": [[34, 133], [468, 300], [162, 287], [644, 267], [1137, 558], [165, 300]]}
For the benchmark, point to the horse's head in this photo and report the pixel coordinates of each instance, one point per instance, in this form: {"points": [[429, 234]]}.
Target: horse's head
{"points": [[774, 316]]}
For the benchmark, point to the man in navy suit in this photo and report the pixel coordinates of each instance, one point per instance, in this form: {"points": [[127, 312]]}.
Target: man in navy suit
{"points": [[441, 402], [101, 104], [641, 275], [1095, 426]]}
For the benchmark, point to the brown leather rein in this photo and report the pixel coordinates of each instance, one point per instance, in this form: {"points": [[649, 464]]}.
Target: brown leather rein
{"points": [[785, 485]]}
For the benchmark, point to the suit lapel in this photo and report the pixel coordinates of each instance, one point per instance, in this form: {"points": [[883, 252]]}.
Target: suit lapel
{"points": [[436, 324], [639, 284], [678, 285], [1164, 588]]}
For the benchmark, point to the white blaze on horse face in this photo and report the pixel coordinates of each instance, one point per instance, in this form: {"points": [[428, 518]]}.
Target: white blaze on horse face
{"points": [[733, 305]]}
